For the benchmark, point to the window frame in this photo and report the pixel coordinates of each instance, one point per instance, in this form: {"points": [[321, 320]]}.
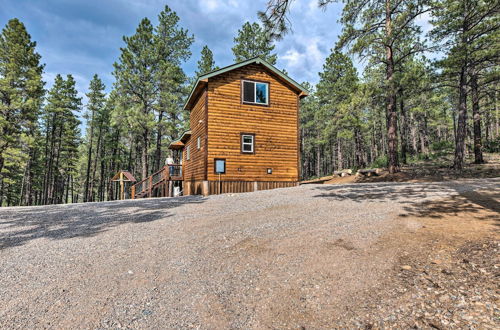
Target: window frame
{"points": [[198, 143], [255, 82], [215, 165], [242, 150], [188, 152]]}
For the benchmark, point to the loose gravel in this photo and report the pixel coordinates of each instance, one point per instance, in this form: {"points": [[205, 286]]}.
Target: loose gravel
{"points": [[284, 258]]}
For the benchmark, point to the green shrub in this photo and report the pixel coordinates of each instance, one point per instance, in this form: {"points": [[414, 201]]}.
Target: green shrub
{"points": [[442, 146], [380, 162], [493, 145]]}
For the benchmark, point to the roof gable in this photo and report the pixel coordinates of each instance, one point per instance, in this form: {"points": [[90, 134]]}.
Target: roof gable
{"points": [[203, 79]]}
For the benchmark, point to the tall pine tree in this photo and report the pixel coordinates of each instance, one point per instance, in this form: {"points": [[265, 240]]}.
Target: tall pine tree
{"points": [[253, 41], [206, 63], [95, 106], [21, 95], [469, 31]]}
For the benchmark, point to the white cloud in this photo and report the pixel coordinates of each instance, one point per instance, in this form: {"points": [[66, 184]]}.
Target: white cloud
{"points": [[423, 21], [209, 5], [218, 5], [293, 58]]}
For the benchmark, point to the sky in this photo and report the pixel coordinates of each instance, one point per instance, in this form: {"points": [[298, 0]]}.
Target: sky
{"points": [[83, 37]]}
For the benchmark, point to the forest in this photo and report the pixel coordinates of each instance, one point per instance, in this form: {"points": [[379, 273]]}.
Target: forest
{"points": [[406, 104]]}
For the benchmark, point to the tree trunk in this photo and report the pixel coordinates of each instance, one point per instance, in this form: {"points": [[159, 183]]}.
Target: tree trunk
{"points": [[424, 133], [404, 129], [157, 162], [476, 117], [94, 168], [358, 148], [497, 123], [144, 155], [392, 116], [89, 160], [318, 160], [27, 191], [461, 121], [49, 157], [340, 159]]}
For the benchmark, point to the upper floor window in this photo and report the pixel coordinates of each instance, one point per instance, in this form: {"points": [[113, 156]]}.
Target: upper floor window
{"points": [[255, 92], [198, 142], [247, 143], [188, 152]]}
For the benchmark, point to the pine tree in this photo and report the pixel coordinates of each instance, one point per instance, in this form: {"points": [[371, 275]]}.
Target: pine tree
{"points": [[62, 137], [173, 44], [338, 82], [21, 94], [136, 75], [206, 63], [380, 30], [253, 41], [70, 142], [96, 102], [468, 28], [151, 84]]}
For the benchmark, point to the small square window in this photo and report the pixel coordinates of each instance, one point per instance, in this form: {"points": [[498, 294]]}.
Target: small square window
{"points": [[247, 143], [269, 171], [255, 92], [220, 166], [198, 142]]}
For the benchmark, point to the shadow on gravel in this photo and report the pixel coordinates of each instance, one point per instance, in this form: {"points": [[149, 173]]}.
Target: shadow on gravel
{"points": [[20, 225], [447, 199]]}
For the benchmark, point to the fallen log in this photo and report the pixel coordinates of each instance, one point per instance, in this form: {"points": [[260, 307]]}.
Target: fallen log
{"points": [[368, 172]]}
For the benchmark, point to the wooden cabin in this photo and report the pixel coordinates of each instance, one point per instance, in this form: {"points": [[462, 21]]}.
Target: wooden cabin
{"points": [[244, 130]]}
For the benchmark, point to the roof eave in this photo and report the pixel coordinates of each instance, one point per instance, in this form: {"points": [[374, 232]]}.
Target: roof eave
{"points": [[204, 78]]}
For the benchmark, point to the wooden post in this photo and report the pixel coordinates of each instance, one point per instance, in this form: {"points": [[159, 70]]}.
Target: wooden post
{"points": [[132, 191], [205, 188], [255, 186], [187, 188], [122, 190], [220, 185], [150, 188]]}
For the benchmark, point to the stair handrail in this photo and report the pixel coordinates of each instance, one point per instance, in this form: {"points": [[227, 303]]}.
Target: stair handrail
{"points": [[148, 183]]}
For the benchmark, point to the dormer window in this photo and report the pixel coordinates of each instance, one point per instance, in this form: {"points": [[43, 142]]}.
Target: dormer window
{"points": [[255, 92]]}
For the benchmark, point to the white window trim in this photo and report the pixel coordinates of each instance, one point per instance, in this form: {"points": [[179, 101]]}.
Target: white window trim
{"points": [[254, 92], [243, 143], [198, 142], [188, 152]]}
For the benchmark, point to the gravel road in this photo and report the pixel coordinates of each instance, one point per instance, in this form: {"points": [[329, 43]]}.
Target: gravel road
{"points": [[281, 258]]}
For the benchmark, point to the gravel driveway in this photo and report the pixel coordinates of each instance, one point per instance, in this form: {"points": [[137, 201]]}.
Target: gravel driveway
{"points": [[270, 259]]}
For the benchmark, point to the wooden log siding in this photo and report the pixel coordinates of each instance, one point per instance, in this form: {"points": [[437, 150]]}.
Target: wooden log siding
{"points": [[274, 125], [227, 187], [194, 169]]}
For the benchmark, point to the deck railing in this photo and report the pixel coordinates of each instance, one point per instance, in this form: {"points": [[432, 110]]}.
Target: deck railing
{"points": [[146, 186]]}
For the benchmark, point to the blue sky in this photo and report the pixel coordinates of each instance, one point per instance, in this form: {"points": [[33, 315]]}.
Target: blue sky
{"points": [[83, 37]]}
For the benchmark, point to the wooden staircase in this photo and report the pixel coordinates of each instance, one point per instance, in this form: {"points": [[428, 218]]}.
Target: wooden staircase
{"points": [[159, 184]]}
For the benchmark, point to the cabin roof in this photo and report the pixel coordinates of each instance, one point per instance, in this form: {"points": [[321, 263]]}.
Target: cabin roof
{"points": [[203, 79], [128, 176], [179, 143]]}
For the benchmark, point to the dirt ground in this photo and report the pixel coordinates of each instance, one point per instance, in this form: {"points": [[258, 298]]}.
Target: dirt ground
{"points": [[436, 170], [447, 270], [375, 255]]}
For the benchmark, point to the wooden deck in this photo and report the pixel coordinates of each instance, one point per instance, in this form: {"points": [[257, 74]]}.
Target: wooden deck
{"points": [[159, 184]]}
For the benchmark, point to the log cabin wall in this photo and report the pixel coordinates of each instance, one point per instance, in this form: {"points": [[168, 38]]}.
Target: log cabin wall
{"points": [[275, 127], [194, 168]]}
